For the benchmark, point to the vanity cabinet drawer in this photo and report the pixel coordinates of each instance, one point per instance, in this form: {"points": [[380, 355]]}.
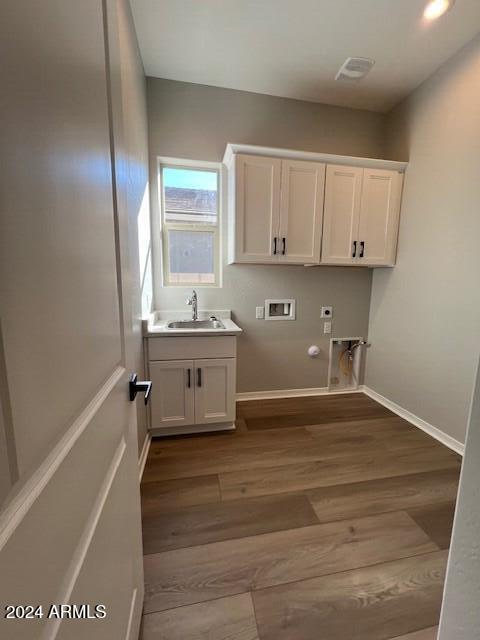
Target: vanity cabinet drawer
{"points": [[191, 348]]}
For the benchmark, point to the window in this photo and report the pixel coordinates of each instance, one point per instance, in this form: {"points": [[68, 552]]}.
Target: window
{"points": [[190, 225]]}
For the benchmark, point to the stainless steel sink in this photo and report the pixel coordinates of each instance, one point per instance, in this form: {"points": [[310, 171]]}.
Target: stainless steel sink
{"points": [[195, 324]]}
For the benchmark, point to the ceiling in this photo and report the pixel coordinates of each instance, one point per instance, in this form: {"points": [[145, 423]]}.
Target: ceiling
{"points": [[293, 48]]}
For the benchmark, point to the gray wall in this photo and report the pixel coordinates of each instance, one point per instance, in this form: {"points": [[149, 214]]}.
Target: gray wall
{"points": [[425, 313], [460, 619], [196, 122]]}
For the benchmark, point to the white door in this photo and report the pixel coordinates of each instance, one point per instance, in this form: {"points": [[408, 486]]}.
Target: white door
{"points": [[172, 402], [215, 390], [379, 216], [301, 211], [70, 525], [343, 189], [257, 208]]}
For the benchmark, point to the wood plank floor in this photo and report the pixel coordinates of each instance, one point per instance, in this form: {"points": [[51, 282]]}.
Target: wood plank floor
{"points": [[319, 517]]}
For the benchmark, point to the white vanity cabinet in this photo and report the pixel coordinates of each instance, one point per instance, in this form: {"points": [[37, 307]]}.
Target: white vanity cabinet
{"points": [[194, 383], [293, 207]]}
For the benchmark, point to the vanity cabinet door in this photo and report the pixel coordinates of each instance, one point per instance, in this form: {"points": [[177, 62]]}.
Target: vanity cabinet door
{"points": [[173, 393], [215, 390]]}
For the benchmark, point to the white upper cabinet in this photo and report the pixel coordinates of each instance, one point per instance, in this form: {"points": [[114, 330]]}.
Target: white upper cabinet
{"points": [[362, 208], [257, 207], [295, 207], [343, 193], [301, 211], [278, 210], [379, 216]]}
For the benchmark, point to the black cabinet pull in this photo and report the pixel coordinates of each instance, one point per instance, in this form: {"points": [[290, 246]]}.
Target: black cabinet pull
{"points": [[189, 380], [284, 250], [275, 246], [354, 251], [135, 386], [362, 249], [199, 377]]}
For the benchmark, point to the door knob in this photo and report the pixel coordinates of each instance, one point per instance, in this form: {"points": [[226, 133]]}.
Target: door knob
{"points": [[135, 386]]}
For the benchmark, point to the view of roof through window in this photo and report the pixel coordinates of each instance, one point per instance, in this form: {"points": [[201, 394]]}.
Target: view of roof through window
{"points": [[190, 195]]}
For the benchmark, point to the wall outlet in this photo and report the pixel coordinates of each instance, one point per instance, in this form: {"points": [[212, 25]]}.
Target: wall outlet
{"points": [[327, 327], [326, 312], [259, 313]]}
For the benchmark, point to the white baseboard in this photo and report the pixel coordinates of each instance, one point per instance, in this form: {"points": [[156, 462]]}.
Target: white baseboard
{"points": [[436, 433], [143, 455], [291, 393]]}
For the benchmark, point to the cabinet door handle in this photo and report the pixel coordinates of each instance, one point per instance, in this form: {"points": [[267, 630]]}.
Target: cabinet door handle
{"points": [[284, 250], [362, 249], [354, 250], [199, 377], [275, 246], [189, 379]]}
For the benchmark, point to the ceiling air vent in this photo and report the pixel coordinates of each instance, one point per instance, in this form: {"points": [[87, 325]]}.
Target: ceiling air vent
{"points": [[354, 69]]}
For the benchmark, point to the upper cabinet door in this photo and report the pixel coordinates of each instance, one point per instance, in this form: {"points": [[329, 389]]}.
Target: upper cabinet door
{"points": [[343, 191], [301, 211], [257, 208], [379, 216]]}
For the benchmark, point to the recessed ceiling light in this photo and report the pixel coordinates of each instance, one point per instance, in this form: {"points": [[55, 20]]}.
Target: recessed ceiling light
{"points": [[436, 8]]}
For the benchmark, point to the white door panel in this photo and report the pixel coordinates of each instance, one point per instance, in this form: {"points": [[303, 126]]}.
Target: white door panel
{"points": [[380, 210], [173, 394], [57, 225], [257, 208], [66, 325], [215, 390], [107, 564], [65, 496], [343, 190], [301, 211]]}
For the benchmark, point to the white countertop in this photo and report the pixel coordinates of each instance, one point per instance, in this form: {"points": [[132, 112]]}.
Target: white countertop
{"points": [[156, 325]]}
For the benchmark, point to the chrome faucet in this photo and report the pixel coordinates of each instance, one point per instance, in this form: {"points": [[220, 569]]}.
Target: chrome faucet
{"points": [[194, 304]]}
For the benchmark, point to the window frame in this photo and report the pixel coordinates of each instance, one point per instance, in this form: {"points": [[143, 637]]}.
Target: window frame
{"points": [[166, 226]]}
